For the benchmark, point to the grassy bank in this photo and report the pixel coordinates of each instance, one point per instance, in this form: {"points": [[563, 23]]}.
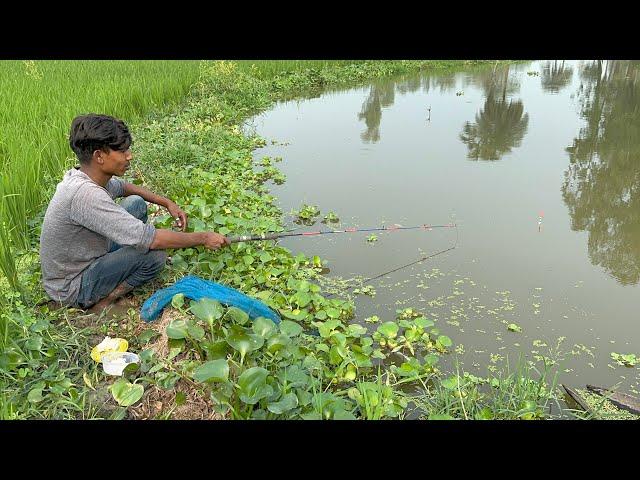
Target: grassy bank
{"points": [[202, 360]]}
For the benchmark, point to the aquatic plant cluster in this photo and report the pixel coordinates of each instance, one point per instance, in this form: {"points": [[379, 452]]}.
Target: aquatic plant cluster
{"points": [[203, 360]]}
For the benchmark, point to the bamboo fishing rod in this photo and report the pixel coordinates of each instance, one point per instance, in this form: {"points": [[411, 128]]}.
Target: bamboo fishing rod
{"points": [[276, 235]]}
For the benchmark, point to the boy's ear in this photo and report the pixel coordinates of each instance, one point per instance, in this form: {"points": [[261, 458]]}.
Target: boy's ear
{"points": [[97, 156]]}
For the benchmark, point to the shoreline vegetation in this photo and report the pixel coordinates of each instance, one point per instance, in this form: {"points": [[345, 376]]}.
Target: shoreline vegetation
{"points": [[201, 360]]}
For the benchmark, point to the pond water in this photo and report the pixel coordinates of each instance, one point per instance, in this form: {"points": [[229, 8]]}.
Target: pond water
{"points": [[537, 164]]}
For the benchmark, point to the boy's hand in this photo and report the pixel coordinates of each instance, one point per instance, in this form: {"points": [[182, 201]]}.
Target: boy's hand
{"points": [[179, 215], [215, 240]]}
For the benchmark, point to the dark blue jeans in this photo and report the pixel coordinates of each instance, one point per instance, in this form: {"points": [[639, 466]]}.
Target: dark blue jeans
{"points": [[120, 264]]}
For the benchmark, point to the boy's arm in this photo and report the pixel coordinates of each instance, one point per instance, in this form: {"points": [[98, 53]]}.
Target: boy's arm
{"points": [[169, 239], [174, 210]]}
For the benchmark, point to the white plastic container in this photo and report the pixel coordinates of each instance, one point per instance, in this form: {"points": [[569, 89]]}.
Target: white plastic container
{"points": [[114, 363]]}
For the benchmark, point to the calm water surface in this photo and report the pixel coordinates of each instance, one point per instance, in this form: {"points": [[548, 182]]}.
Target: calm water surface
{"points": [[539, 166]]}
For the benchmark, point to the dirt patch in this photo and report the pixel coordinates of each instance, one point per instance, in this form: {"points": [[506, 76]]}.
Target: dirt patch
{"points": [[158, 403], [161, 345]]}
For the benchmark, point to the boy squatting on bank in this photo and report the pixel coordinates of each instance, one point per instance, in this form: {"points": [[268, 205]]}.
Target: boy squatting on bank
{"points": [[93, 250]]}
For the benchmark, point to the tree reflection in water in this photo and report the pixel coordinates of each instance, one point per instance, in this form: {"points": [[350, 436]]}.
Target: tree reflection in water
{"points": [[602, 183], [555, 76], [500, 125]]}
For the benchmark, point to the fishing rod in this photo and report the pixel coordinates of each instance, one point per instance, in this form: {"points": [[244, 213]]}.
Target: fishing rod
{"points": [[276, 235]]}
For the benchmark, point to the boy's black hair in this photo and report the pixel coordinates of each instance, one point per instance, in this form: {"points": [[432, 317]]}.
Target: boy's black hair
{"points": [[93, 132]]}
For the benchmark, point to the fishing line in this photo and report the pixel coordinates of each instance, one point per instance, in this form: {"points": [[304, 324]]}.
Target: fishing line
{"points": [[395, 227], [408, 264]]}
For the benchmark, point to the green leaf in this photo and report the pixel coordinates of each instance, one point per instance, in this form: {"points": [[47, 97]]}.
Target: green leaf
{"points": [[514, 328], [181, 398], [288, 402], [243, 342], [179, 263], [253, 385], [265, 257], [215, 350], [440, 416], [213, 371], [301, 299], [207, 309], [34, 343], [146, 336], [238, 316], [356, 330], [423, 322], [277, 342], [388, 329], [431, 359], [444, 341], [41, 325], [35, 394], [205, 211], [177, 301], [264, 327], [295, 315], [450, 383], [289, 328], [333, 313], [485, 414], [125, 393], [177, 329], [194, 330]]}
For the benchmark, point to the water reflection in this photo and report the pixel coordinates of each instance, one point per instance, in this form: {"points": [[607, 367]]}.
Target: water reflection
{"points": [[380, 95], [602, 182], [555, 76], [500, 125]]}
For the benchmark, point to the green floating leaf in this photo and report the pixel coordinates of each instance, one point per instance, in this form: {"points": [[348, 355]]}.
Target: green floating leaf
{"points": [[389, 329], [444, 341], [125, 393], [514, 328], [213, 371], [423, 322]]}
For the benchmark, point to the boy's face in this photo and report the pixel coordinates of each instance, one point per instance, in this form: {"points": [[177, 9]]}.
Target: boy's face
{"points": [[114, 162]]}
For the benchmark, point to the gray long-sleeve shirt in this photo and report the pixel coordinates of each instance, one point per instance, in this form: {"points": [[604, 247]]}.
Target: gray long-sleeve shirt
{"points": [[80, 220]]}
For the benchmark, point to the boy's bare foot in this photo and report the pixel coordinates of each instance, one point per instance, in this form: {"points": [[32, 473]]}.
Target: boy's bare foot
{"points": [[107, 301]]}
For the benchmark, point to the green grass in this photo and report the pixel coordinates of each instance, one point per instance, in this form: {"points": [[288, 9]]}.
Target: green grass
{"points": [[39, 99], [524, 393]]}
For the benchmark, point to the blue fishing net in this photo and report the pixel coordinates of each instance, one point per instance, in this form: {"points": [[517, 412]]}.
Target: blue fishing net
{"points": [[196, 288]]}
